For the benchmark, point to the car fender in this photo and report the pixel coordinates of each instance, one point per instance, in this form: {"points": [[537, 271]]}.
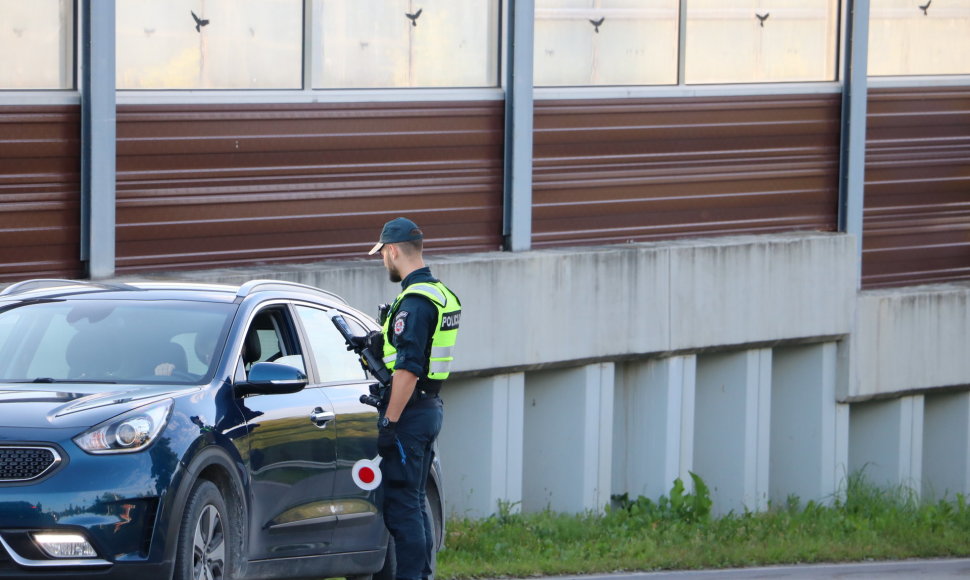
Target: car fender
{"points": [[215, 463]]}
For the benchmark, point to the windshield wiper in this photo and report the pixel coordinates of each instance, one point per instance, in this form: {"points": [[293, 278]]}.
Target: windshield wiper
{"points": [[71, 381]]}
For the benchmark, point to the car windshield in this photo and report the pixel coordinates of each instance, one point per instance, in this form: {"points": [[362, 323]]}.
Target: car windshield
{"points": [[112, 341]]}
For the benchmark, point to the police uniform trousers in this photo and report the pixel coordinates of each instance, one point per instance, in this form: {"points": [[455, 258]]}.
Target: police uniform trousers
{"points": [[404, 487]]}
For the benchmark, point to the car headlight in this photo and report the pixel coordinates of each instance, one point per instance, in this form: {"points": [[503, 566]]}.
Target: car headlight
{"points": [[127, 433]]}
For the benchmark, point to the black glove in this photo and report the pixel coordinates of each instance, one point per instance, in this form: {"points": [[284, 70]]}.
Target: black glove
{"points": [[356, 343], [386, 437]]}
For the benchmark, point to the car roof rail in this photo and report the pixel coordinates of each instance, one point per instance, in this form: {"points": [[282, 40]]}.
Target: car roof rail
{"points": [[41, 283], [269, 285]]}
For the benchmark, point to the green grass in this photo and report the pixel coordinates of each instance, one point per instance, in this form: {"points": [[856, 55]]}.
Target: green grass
{"points": [[679, 532]]}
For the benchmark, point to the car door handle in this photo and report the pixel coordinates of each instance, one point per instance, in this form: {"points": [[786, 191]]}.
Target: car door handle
{"points": [[321, 417]]}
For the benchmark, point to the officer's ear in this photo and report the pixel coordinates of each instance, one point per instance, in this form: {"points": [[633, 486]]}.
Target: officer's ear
{"points": [[405, 250], [395, 251]]}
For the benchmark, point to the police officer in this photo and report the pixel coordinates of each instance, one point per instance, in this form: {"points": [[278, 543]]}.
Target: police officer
{"points": [[420, 329]]}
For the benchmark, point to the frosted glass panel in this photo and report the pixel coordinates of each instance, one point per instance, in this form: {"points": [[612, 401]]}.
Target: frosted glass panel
{"points": [[747, 41], [209, 44], [605, 42]]}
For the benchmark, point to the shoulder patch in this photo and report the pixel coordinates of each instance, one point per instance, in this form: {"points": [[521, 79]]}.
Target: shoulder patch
{"points": [[399, 322]]}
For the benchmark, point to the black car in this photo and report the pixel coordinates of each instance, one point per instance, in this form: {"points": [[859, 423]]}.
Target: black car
{"points": [[160, 430]]}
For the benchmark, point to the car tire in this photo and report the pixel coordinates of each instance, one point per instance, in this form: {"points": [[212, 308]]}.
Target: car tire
{"points": [[433, 511], [205, 546]]}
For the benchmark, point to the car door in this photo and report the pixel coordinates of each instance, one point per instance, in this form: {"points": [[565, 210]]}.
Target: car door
{"points": [[291, 444], [360, 524]]}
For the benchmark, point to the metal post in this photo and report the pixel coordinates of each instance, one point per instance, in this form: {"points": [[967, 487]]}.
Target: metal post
{"points": [[517, 227], [311, 41], [682, 43], [98, 137], [853, 147]]}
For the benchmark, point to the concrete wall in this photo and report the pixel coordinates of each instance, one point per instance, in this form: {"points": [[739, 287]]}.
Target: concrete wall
{"points": [[732, 427], [533, 309], [809, 429], [911, 339], [887, 441], [752, 361], [568, 438], [490, 410], [653, 418], [946, 445]]}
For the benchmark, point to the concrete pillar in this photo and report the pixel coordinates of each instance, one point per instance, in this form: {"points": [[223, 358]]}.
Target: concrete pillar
{"points": [[481, 444], [568, 435], [808, 455], [653, 436], [886, 441], [732, 428], [946, 445]]}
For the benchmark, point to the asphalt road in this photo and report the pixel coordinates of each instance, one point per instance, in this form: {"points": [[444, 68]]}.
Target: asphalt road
{"points": [[921, 569]]}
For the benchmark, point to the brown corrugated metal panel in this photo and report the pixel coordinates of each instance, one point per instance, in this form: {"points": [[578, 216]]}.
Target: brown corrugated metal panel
{"points": [[39, 192], [916, 227], [651, 169], [215, 185]]}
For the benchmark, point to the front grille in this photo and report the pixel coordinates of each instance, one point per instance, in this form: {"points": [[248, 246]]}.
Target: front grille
{"points": [[26, 463]]}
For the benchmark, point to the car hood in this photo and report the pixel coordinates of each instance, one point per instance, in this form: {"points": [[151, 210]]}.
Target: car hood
{"points": [[75, 405]]}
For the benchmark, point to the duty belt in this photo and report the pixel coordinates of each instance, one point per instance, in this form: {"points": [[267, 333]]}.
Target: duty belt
{"points": [[422, 395]]}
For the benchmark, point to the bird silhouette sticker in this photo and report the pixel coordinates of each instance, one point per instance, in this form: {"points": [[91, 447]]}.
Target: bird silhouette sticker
{"points": [[761, 19], [925, 7], [596, 24], [414, 17], [199, 22]]}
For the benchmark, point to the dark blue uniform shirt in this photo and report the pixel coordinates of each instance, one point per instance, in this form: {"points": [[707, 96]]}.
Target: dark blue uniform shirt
{"points": [[412, 327]]}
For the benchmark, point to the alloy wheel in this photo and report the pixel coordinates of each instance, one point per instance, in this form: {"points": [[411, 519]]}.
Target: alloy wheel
{"points": [[209, 545]]}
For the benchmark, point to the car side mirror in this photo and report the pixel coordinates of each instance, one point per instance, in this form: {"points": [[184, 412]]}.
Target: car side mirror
{"points": [[266, 378]]}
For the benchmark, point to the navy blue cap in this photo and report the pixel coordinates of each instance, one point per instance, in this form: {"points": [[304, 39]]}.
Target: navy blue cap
{"points": [[395, 231]]}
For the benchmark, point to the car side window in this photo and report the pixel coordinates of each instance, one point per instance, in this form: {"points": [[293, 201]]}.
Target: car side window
{"points": [[270, 338], [328, 349]]}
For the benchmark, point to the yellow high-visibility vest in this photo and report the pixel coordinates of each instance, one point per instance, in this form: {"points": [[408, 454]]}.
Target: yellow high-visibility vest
{"points": [[446, 330]]}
